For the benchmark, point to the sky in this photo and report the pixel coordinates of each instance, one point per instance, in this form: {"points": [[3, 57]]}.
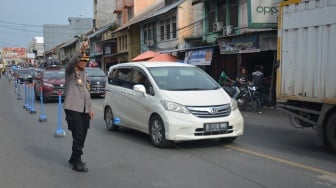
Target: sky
{"points": [[22, 20]]}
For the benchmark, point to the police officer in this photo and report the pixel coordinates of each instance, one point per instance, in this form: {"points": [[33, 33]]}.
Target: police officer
{"points": [[78, 108]]}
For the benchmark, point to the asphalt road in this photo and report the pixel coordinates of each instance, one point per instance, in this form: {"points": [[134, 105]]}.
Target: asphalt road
{"points": [[271, 154]]}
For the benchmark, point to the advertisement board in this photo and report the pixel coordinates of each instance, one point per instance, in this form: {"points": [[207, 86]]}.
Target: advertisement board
{"points": [[240, 44], [9, 53], [263, 13], [199, 56]]}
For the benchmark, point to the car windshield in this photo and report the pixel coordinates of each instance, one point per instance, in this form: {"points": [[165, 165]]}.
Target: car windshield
{"points": [[25, 71], [54, 74], [182, 78], [95, 72]]}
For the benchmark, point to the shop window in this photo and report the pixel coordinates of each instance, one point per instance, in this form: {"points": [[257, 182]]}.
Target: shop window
{"points": [[126, 42], [168, 29], [119, 19], [234, 13], [130, 13], [222, 12], [145, 31], [174, 27], [211, 15], [162, 31]]}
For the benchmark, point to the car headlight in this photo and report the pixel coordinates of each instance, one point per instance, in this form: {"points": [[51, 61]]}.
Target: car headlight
{"points": [[233, 104], [174, 107], [48, 85]]}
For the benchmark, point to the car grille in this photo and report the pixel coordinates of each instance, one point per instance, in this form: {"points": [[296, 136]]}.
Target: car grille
{"points": [[95, 84], [210, 111], [59, 87]]}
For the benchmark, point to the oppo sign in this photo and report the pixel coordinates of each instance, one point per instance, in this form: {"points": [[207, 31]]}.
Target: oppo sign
{"points": [[263, 12], [267, 10]]}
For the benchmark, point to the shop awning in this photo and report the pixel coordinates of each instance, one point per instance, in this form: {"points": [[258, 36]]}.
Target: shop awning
{"points": [[145, 56], [164, 57]]}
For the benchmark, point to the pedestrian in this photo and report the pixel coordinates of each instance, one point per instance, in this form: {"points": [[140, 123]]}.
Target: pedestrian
{"points": [[1, 69], [223, 78], [258, 80], [78, 108]]}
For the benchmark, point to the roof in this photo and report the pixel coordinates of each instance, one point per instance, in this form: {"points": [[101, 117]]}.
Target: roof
{"points": [[168, 8], [145, 14], [74, 40], [101, 30]]}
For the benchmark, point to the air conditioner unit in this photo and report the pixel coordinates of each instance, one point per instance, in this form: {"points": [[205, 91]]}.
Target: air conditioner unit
{"points": [[149, 42], [217, 26], [227, 30]]}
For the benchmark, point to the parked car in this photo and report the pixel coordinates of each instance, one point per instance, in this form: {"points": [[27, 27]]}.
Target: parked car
{"points": [[97, 81], [170, 102], [51, 82], [25, 75]]}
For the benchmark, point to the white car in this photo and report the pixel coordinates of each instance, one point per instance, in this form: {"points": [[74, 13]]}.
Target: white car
{"points": [[171, 102]]}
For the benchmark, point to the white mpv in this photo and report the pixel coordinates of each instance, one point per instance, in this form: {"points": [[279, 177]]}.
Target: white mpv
{"points": [[170, 102]]}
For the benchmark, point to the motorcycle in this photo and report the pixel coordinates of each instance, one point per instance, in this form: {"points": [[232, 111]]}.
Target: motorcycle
{"points": [[247, 96]]}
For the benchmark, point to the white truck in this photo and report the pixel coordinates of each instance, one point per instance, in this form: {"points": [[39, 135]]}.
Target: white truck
{"points": [[306, 66]]}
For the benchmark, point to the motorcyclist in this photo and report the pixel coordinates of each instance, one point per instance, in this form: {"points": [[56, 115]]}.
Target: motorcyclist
{"points": [[243, 78]]}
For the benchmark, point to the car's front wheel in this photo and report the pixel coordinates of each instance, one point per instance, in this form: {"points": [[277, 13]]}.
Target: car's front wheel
{"points": [[157, 132], [109, 120]]}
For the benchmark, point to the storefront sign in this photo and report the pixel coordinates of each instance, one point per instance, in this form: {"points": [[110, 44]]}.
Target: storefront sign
{"points": [[199, 56], [242, 44], [263, 13], [14, 53]]}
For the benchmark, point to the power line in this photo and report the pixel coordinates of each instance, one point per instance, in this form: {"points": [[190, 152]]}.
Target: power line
{"points": [[20, 29], [29, 25]]}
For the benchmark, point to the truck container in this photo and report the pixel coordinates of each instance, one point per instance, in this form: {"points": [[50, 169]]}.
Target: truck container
{"points": [[306, 66]]}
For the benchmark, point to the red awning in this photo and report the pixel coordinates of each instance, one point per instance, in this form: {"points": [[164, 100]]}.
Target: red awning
{"points": [[145, 56], [164, 57]]}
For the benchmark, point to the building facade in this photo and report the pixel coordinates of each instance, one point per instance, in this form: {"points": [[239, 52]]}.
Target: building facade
{"points": [[55, 35]]}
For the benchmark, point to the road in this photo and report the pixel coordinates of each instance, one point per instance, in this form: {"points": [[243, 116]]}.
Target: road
{"points": [[270, 154]]}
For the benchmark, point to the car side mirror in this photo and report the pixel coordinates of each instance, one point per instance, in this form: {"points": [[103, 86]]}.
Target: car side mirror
{"points": [[140, 88]]}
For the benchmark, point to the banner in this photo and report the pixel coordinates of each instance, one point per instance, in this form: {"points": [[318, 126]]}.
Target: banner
{"points": [[199, 57], [8, 53], [241, 44]]}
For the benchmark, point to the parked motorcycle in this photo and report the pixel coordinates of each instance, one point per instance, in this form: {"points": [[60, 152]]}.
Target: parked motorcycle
{"points": [[247, 96]]}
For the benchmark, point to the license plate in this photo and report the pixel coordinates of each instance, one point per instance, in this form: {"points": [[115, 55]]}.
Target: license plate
{"points": [[213, 127]]}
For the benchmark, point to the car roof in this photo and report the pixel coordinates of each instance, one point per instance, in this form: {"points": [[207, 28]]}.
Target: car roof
{"points": [[52, 70], [92, 68], [155, 64]]}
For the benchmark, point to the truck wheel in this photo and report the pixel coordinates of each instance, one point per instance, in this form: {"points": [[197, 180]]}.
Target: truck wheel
{"points": [[331, 132]]}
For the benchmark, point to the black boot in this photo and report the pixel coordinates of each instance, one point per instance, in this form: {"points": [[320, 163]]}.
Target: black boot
{"points": [[73, 161], [79, 167], [75, 158]]}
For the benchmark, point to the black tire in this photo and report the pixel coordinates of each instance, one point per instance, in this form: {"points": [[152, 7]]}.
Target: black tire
{"points": [[109, 120], [157, 132], [228, 140], [331, 132]]}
